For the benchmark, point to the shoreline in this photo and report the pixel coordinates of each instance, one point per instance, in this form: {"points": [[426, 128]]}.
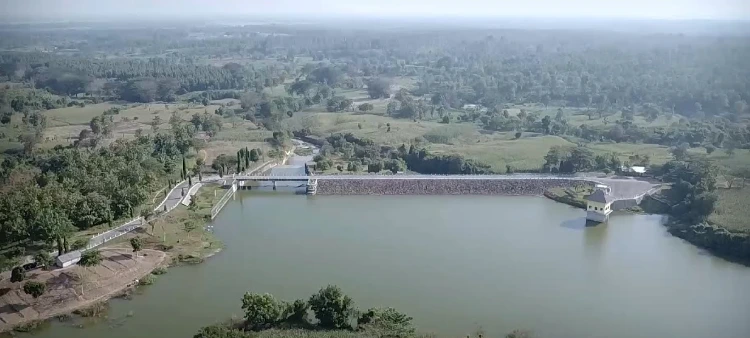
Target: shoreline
{"points": [[65, 302], [721, 243], [167, 258]]}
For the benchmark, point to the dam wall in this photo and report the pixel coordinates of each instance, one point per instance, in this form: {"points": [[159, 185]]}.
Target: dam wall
{"points": [[444, 186]]}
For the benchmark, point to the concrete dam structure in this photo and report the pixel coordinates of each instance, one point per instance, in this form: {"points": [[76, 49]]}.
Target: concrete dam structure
{"points": [[447, 185], [611, 194]]}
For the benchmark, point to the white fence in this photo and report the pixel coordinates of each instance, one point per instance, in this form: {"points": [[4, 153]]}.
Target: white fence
{"points": [[223, 201]]}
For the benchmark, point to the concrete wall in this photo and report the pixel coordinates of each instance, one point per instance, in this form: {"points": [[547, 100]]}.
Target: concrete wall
{"points": [[596, 217], [625, 204], [443, 186], [190, 193]]}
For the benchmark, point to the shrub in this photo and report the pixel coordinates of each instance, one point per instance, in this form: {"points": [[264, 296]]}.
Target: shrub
{"points": [[262, 311], [34, 288], [79, 244], [386, 323], [332, 308], [18, 274], [43, 259], [96, 310], [147, 280], [159, 271]]}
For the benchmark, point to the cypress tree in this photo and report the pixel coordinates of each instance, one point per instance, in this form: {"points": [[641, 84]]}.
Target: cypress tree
{"points": [[239, 161], [184, 168]]}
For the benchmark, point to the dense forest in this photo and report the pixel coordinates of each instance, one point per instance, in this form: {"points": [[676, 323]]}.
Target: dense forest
{"points": [[689, 75], [616, 75]]}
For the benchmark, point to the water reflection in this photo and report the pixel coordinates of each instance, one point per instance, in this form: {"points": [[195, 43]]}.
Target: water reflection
{"points": [[575, 224]]}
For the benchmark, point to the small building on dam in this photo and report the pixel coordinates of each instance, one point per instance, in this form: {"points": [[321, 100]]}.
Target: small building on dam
{"points": [[599, 204]]}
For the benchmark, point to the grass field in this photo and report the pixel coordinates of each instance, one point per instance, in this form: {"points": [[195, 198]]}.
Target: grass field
{"points": [[579, 116], [526, 153], [497, 149], [732, 211], [76, 115], [169, 231]]}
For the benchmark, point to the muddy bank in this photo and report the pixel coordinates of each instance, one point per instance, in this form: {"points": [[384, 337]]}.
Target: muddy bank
{"points": [[443, 186]]}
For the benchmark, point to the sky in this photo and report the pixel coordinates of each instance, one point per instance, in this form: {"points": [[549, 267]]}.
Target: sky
{"points": [[628, 9]]}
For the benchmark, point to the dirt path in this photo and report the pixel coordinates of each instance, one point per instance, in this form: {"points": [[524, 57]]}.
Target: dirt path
{"points": [[74, 287]]}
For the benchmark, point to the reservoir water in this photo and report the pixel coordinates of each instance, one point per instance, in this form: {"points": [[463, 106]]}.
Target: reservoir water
{"points": [[457, 264]]}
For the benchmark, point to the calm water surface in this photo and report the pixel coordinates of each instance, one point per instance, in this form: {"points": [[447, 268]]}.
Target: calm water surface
{"points": [[455, 263]]}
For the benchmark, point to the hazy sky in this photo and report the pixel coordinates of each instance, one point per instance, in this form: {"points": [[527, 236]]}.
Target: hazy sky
{"points": [[659, 9]]}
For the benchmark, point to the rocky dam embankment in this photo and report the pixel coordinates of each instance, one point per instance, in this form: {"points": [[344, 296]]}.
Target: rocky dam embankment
{"points": [[443, 186]]}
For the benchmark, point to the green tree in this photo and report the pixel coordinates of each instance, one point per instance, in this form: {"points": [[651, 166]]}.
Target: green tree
{"points": [[554, 156], [296, 312], [375, 167], [353, 166], [582, 159], [18, 274], [680, 152], [147, 214], [729, 149], [332, 308], [262, 311], [43, 259], [155, 123], [386, 323], [365, 107], [254, 156], [196, 171], [392, 108], [52, 225], [378, 88], [396, 165], [90, 258], [34, 288], [193, 203], [137, 244], [546, 123], [189, 226]]}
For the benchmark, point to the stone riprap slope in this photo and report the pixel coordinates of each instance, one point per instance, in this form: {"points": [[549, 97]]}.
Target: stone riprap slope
{"points": [[443, 186]]}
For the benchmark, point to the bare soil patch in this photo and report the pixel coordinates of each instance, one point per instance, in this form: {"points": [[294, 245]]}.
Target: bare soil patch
{"points": [[74, 287]]}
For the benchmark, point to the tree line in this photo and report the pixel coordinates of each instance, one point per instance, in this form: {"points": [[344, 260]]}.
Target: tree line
{"points": [[330, 307], [364, 153], [134, 80], [48, 195]]}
